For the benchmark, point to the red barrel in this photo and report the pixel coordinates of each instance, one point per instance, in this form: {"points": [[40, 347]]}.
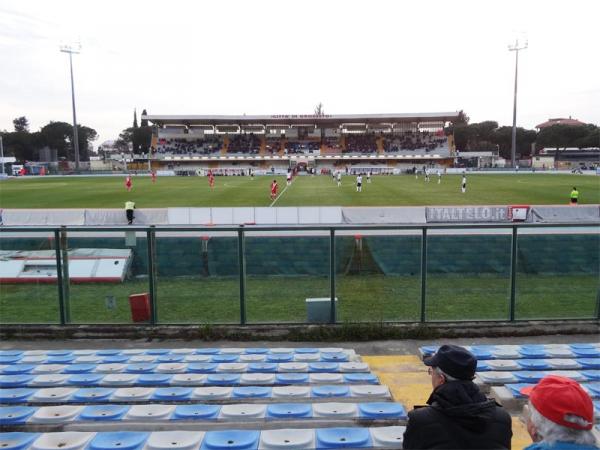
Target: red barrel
{"points": [[140, 307]]}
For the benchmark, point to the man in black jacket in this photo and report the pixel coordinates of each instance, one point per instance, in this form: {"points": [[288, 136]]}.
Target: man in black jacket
{"points": [[459, 416]]}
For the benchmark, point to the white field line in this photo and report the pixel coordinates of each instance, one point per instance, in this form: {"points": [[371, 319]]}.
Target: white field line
{"points": [[284, 189]]}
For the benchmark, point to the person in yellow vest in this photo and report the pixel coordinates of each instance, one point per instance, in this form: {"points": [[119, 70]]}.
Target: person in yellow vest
{"points": [[574, 196], [129, 207]]}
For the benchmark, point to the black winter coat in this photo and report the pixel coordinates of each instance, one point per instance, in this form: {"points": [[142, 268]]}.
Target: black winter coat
{"points": [[459, 417]]}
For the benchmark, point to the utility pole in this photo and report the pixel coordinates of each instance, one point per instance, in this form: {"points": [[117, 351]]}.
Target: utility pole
{"points": [[513, 148], [2, 154], [72, 50]]}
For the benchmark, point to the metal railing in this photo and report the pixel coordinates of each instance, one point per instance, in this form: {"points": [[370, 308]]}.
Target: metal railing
{"points": [[61, 234]]}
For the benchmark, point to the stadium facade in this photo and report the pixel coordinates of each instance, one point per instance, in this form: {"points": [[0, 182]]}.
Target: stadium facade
{"points": [[234, 145]]}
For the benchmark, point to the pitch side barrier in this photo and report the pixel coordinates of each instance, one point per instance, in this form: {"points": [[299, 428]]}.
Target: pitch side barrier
{"points": [[337, 250]]}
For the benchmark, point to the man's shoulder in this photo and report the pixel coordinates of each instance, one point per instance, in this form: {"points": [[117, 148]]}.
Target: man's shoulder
{"points": [[422, 413]]}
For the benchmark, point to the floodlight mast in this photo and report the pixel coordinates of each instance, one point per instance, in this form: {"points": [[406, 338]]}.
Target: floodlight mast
{"points": [[513, 147], [72, 50]]}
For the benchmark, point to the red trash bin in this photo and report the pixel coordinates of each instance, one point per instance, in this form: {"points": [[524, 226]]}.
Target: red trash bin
{"points": [[140, 307]]}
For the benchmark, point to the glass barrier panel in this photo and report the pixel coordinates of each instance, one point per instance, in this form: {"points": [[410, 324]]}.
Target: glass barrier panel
{"points": [[197, 277], [378, 275], [468, 274], [28, 279], [558, 273]]}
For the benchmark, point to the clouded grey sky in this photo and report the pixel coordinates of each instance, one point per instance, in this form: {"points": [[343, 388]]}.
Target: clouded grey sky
{"points": [[278, 57]]}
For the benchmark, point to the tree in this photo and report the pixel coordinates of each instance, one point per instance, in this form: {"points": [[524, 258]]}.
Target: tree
{"points": [[144, 122], [21, 124], [135, 125], [319, 110]]}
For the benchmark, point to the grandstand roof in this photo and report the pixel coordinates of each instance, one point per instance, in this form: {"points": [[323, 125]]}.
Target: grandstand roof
{"points": [[560, 121], [299, 119]]}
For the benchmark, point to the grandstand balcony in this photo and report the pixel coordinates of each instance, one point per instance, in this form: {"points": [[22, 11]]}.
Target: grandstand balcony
{"points": [[244, 144], [302, 147], [410, 142], [207, 145], [360, 144]]}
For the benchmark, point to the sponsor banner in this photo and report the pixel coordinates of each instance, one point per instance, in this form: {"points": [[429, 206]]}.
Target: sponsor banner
{"points": [[467, 214]]}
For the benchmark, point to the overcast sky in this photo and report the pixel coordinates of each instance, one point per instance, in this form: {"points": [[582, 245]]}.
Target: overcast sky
{"points": [[283, 57]]}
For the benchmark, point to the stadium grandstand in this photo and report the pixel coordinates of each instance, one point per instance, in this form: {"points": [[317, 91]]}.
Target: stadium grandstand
{"points": [[380, 143]]}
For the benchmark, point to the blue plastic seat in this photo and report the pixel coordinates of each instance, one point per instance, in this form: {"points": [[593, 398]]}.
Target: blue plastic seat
{"points": [[343, 438], [17, 369], [108, 352], [291, 378], [256, 351], [17, 441], [59, 352], [79, 368], [61, 359], [264, 367], [586, 352], [231, 440], [304, 350], [141, 368], [331, 391], [531, 376], [382, 410], [115, 359], [11, 352], [591, 375], [224, 358], [11, 415], [85, 379], [15, 395], [363, 378], [11, 381], [207, 351], [88, 395], [533, 351], [582, 346], [104, 412], [483, 366], [289, 410], [252, 392], [428, 350], [202, 367], [172, 393], [483, 351], [515, 389], [533, 364], [223, 379], [280, 357], [196, 412], [334, 357], [119, 440], [323, 367], [158, 351], [10, 359], [171, 358], [154, 379], [589, 363], [593, 389]]}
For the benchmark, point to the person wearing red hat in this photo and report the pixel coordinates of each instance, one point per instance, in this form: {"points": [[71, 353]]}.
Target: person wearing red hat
{"points": [[458, 415], [559, 415]]}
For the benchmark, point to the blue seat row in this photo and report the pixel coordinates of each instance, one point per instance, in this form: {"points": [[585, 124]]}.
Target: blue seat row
{"points": [[66, 414], [73, 395], [515, 389], [538, 364], [298, 439], [183, 379], [483, 352], [534, 376], [182, 367]]}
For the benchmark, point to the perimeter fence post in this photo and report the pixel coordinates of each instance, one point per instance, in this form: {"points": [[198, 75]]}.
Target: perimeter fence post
{"points": [[242, 270], [513, 273], [423, 272], [332, 306], [151, 247], [65, 306]]}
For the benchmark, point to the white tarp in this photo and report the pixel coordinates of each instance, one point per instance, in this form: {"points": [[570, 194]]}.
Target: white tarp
{"points": [[374, 215], [20, 217], [155, 216], [557, 214]]}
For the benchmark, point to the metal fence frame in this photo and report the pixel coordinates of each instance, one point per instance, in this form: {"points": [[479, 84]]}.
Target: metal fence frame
{"points": [[61, 238]]}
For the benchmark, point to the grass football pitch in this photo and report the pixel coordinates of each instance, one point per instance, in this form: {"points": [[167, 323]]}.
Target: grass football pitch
{"points": [[403, 190]]}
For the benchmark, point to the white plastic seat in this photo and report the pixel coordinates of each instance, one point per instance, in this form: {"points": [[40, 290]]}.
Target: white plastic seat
{"points": [[53, 394], [197, 358], [295, 439], [559, 352], [331, 350], [232, 367], [293, 367], [252, 358], [212, 393], [335, 410], [33, 359], [52, 379], [326, 377], [572, 374], [150, 412], [503, 364], [240, 411], [110, 368], [69, 440], [280, 350], [56, 414], [564, 364], [257, 378], [232, 351], [369, 390], [133, 393], [506, 353], [132, 351], [307, 357], [119, 379], [83, 352], [183, 351], [142, 358], [171, 368], [174, 440], [48, 368], [35, 352], [188, 379], [291, 392], [87, 359], [354, 367], [387, 437], [501, 377]]}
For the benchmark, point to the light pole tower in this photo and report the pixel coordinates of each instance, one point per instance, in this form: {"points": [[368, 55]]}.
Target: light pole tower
{"points": [[513, 147], [72, 50]]}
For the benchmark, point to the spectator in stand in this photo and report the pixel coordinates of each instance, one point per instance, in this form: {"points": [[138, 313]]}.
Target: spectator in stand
{"points": [[458, 415], [559, 415]]}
